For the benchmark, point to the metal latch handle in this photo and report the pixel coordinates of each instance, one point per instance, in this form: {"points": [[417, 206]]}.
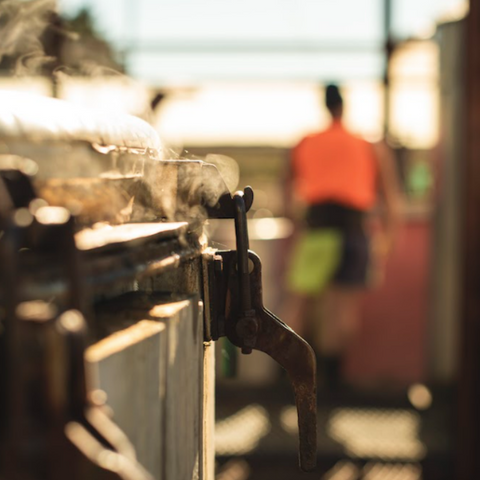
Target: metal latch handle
{"points": [[241, 236], [242, 317]]}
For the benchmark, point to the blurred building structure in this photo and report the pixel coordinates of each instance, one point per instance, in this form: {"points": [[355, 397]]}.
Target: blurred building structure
{"points": [[468, 433]]}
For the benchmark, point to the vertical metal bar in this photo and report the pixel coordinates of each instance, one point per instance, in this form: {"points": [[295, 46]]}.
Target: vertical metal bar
{"points": [[241, 233], [468, 413]]}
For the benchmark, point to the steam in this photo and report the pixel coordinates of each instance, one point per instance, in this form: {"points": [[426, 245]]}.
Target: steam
{"points": [[21, 26], [28, 28], [201, 184], [228, 168], [173, 190], [180, 189], [32, 62]]}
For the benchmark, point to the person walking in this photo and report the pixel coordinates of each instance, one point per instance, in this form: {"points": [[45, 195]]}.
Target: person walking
{"points": [[339, 177]]}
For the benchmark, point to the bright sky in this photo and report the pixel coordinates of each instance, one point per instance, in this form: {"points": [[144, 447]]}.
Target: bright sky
{"points": [[256, 64], [168, 41]]}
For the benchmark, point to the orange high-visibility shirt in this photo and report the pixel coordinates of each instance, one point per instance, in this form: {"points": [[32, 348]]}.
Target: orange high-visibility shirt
{"points": [[335, 165]]}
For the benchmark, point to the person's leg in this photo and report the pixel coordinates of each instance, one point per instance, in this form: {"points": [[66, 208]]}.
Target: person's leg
{"points": [[338, 323], [340, 311], [340, 318], [298, 312]]}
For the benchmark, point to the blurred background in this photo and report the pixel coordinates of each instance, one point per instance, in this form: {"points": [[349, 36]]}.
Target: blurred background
{"points": [[243, 80]]}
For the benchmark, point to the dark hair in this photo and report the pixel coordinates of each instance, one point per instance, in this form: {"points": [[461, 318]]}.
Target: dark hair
{"points": [[333, 98]]}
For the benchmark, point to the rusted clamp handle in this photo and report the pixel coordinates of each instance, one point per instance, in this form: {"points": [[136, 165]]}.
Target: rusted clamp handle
{"points": [[241, 235], [225, 205], [295, 355], [275, 338]]}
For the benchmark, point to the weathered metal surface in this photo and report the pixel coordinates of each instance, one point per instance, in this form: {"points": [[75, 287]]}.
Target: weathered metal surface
{"points": [[52, 426], [51, 423], [44, 260], [129, 235], [23, 117], [103, 173], [208, 420], [147, 250], [150, 361]]}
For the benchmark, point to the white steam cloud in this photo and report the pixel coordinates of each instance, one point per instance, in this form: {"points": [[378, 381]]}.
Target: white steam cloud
{"points": [[171, 191], [22, 25]]}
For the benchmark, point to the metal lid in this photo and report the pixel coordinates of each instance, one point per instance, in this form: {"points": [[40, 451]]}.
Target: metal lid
{"points": [[37, 118]]}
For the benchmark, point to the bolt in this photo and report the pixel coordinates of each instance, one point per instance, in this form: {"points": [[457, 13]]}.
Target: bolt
{"points": [[247, 329]]}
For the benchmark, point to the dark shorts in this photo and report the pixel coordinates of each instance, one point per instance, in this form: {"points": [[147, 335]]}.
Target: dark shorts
{"points": [[333, 249], [354, 261]]}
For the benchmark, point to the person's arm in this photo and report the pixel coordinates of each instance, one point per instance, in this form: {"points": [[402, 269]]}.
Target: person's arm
{"points": [[294, 205], [390, 192]]}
